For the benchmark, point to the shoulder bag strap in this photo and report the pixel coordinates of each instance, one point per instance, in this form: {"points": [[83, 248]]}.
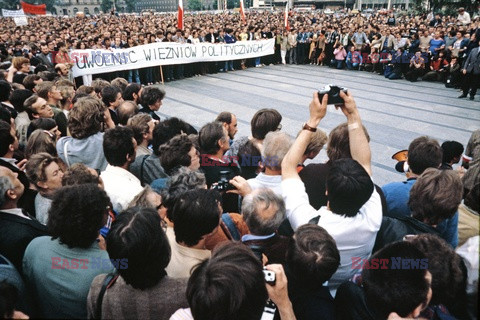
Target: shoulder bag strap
{"points": [[231, 226], [107, 283], [65, 153]]}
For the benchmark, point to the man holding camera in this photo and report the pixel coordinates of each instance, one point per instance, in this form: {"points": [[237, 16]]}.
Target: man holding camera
{"points": [[354, 207], [214, 142]]}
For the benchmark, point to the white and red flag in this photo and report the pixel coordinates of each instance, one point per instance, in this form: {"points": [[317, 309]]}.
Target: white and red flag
{"points": [[180, 15], [242, 11], [287, 26]]}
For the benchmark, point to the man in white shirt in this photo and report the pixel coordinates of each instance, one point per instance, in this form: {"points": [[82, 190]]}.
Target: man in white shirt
{"points": [[119, 149], [463, 16], [353, 214]]}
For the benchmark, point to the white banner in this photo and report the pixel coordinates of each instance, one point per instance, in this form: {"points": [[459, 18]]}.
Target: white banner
{"points": [[21, 21], [165, 53], [13, 13]]}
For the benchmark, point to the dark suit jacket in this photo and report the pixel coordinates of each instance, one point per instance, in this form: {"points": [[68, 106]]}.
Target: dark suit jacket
{"points": [[15, 235], [208, 38], [472, 64], [44, 59], [274, 248], [394, 229], [27, 201]]}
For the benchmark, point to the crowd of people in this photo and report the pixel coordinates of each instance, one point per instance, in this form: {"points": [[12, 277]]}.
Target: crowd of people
{"points": [[430, 47], [109, 211]]}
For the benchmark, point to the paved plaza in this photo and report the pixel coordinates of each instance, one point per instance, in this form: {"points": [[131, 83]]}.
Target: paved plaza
{"points": [[394, 111]]}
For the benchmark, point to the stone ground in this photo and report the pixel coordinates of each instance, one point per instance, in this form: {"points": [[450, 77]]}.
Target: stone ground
{"points": [[394, 112]]}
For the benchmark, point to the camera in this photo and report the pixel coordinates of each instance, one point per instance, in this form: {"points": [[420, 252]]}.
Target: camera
{"points": [[333, 93], [223, 184], [269, 276]]}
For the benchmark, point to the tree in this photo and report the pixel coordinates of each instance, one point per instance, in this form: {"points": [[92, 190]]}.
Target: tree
{"points": [[130, 5], [194, 5], [9, 4], [106, 5]]}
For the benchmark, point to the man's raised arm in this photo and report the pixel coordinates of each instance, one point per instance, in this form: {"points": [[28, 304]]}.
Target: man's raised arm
{"points": [[359, 146]]}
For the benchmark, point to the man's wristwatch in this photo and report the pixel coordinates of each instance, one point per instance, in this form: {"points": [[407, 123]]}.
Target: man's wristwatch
{"points": [[307, 127]]}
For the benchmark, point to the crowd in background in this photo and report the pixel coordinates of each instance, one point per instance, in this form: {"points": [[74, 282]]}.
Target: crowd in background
{"points": [[109, 211], [430, 47]]}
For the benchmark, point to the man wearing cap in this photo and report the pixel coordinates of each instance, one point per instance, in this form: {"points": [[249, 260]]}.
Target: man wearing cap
{"points": [[463, 16]]}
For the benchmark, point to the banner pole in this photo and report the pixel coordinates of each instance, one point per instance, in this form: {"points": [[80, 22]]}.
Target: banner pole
{"points": [[161, 73]]}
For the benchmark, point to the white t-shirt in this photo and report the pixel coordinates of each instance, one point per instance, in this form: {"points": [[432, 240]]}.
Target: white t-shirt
{"points": [[355, 236], [264, 181]]}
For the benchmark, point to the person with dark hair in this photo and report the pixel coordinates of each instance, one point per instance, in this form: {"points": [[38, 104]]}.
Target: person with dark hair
{"points": [[250, 160], [231, 285], [195, 214], [214, 142], [112, 98], [152, 101], [61, 268], [177, 152], [148, 168], [354, 206], [49, 91], [312, 259], [8, 145], [434, 198], [120, 185], [47, 124], [17, 98], [133, 93], [263, 122], [125, 111], [263, 211], [141, 252], [17, 227], [37, 107], [423, 153], [85, 144], [452, 153], [45, 174], [387, 291], [229, 121], [448, 292], [5, 91]]}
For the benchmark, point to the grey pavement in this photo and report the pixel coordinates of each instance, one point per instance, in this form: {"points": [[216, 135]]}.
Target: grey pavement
{"points": [[394, 111]]}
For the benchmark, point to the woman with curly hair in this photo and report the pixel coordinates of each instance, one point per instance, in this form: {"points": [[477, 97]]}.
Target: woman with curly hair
{"points": [[62, 267], [85, 145]]}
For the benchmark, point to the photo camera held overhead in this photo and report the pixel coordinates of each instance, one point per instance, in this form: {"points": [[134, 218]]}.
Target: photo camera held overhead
{"points": [[333, 93]]}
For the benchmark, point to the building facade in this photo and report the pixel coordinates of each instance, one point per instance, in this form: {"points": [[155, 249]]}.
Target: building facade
{"points": [[158, 5], [71, 7]]}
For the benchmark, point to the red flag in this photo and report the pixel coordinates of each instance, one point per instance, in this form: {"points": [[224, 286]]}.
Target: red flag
{"points": [[242, 11], [287, 25], [180, 15], [34, 9]]}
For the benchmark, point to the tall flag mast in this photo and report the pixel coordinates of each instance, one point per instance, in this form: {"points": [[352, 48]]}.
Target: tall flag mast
{"points": [[180, 15]]}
